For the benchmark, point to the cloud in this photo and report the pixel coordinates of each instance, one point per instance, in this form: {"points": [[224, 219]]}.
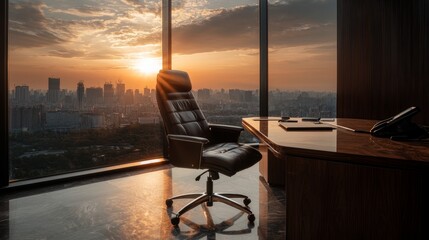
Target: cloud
{"points": [[122, 25], [229, 29], [84, 53], [291, 23], [23, 39], [66, 53], [84, 11], [294, 23], [28, 26], [145, 6], [76, 30]]}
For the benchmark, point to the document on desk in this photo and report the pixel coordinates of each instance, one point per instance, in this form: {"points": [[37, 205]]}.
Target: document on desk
{"points": [[306, 126]]}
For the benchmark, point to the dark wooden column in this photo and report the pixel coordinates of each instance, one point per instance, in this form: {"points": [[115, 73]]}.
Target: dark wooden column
{"points": [[383, 58]]}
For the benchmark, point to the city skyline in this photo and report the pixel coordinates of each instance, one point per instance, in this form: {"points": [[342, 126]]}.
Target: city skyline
{"points": [[46, 88], [77, 84], [215, 41]]}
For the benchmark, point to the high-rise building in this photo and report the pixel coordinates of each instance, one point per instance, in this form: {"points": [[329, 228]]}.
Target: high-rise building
{"points": [[203, 94], [94, 95], [236, 95], [153, 95], [129, 97], [22, 94], [80, 93], [53, 90], [62, 120], [248, 96], [120, 92], [146, 92], [138, 97], [92, 120], [27, 118], [108, 93]]}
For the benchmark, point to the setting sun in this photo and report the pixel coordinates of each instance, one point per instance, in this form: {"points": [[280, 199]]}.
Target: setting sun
{"points": [[148, 65]]}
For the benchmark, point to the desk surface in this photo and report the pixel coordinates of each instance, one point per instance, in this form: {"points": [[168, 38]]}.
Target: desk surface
{"points": [[340, 144]]}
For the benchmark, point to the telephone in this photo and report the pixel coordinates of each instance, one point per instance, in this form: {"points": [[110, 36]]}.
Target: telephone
{"points": [[400, 127]]}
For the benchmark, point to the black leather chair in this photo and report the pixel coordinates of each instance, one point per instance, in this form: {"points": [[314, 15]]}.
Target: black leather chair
{"points": [[194, 143]]}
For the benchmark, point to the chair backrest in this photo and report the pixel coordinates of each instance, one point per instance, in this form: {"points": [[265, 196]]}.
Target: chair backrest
{"points": [[179, 110]]}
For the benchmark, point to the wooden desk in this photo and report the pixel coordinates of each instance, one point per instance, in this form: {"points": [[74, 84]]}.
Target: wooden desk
{"points": [[345, 185]]}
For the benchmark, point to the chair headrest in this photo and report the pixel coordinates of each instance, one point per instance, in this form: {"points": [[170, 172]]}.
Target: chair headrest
{"points": [[174, 81]]}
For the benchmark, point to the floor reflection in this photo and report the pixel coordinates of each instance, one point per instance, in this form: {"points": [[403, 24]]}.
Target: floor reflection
{"points": [[132, 206], [209, 230]]}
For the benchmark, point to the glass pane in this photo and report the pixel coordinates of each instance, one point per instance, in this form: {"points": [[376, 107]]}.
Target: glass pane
{"points": [[302, 58], [217, 43], [81, 84]]}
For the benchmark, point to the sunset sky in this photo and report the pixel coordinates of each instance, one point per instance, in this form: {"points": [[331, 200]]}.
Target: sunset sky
{"points": [[216, 41]]}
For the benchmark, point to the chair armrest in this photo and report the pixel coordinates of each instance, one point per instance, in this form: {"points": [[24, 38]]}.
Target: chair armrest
{"points": [[187, 138], [186, 151], [225, 133]]}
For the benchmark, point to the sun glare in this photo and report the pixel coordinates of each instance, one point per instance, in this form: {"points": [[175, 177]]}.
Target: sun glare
{"points": [[148, 65]]}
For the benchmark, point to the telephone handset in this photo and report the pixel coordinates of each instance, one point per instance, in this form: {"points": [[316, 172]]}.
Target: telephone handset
{"points": [[400, 127]]}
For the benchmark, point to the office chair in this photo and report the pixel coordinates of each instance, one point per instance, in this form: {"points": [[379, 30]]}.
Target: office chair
{"points": [[194, 143]]}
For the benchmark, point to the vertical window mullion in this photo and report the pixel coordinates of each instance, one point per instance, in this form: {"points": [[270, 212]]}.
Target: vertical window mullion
{"points": [[166, 34], [263, 57], [4, 163]]}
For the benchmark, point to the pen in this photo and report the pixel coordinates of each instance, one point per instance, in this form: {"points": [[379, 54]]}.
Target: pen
{"points": [[346, 128]]}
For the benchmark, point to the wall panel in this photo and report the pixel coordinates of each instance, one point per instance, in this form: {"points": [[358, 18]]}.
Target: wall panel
{"points": [[383, 58]]}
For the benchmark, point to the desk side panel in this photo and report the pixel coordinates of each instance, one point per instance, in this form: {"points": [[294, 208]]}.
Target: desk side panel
{"points": [[332, 200], [272, 169]]}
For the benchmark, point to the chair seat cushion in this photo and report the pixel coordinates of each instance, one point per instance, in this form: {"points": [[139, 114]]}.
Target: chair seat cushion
{"points": [[229, 158]]}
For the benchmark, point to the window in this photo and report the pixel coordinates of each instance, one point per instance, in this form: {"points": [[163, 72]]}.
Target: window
{"points": [[81, 74], [302, 58], [81, 84], [217, 43]]}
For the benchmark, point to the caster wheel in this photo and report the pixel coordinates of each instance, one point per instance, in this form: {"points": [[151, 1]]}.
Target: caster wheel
{"points": [[247, 201], [175, 231], [169, 202], [175, 221], [251, 218], [250, 225]]}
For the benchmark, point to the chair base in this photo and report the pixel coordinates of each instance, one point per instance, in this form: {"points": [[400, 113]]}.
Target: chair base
{"points": [[200, 198], [209, 197]]}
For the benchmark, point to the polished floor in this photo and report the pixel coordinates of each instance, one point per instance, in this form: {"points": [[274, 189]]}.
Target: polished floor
{"points": [[131, 205]]}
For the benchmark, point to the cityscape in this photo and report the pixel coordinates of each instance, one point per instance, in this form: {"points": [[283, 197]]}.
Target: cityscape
{"points": [[56, 130]]}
